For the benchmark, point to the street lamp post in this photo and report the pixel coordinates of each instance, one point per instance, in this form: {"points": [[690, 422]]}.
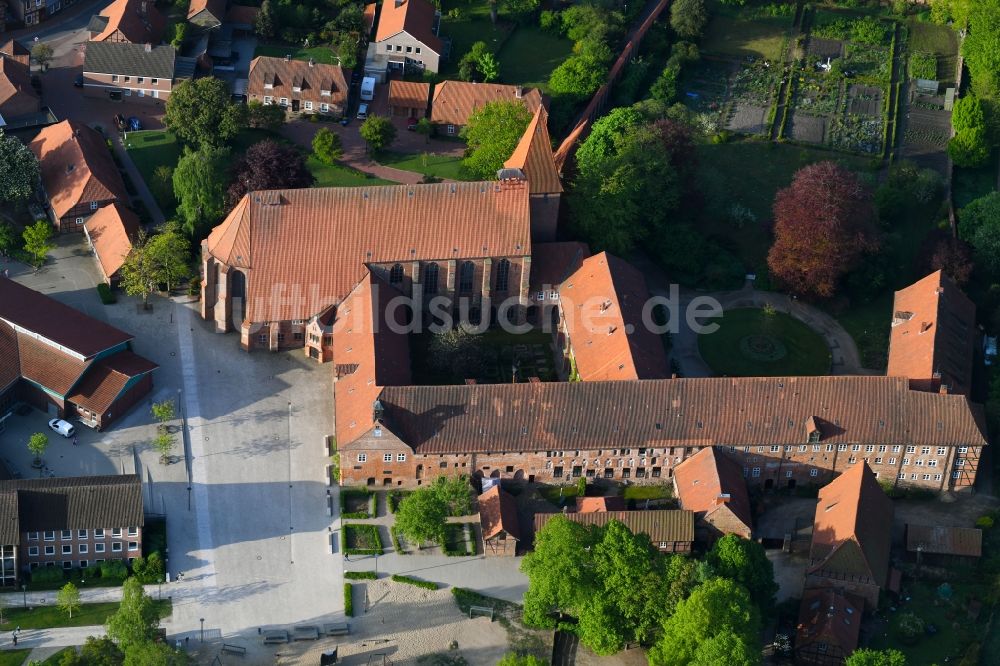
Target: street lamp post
{"points": [[202, 630], [24, 592]]}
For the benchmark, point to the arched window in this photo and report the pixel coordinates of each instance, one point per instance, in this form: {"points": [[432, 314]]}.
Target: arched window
{"points": [[503, 275], [431, 278], [396, 274], [465, 277]]}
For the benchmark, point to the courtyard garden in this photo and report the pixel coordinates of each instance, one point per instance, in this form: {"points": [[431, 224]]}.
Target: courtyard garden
{"points": [[437, 166], [360, 539], [757, 342], [492, 357], [357, 503]]}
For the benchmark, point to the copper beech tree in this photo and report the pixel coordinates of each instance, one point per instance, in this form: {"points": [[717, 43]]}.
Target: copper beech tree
{"points": [[824, 223]]}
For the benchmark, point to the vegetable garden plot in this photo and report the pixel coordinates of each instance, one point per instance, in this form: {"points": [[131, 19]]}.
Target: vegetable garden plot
{"points": [[825, 48], [864, 100], [705, 87], [817, 94], [858, 134], [867, 63], [749, 119], [807, 128]]}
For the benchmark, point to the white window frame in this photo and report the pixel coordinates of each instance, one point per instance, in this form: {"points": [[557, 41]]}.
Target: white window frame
{"points": [[32, 536], [32, 551], [362, 457], [116, 533], [307, 105], [50, 536], [99, 533], [755, 472], [66, 535], [116, 547], [400, 457], [133, 546], [133, 531], [98, 547], [386, 457], [324, 107], [67, 549], [83, 549], [81, 534], [814, 472], [50, 551]]}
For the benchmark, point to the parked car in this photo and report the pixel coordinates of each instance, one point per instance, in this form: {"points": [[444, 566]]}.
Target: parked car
{"points": [[362, 112], [64, 428], [411, 124], [119, 121], [134, 124], [78, 81], [368, 88]]}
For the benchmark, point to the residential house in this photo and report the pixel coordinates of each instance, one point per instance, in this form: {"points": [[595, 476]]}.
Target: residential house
{"points": [[498, 520], [829, 628], [712, 485], [851, 537], [454, 101], [409, 99], [603, 332], [69, 523], [17, 97], [115, 70], [32, 12], [206, 14], [65, 363], [933, 335], [943, 545], [406, 38], [671, 531], [110, 232], [532, 161], [298, 86], [78, 174], [128, 21], [13, 49]]}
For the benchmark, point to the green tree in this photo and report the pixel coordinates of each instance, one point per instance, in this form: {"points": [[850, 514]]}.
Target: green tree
{"points": [[326, 146], [180, 34], [745, 562], [492, 133], [560, 577], [266, 23], [200, 188], [164, 445], [8, 238], [18, 169], [717, 606], [163, 411], [170, 252], [468, 65], [688, 18], [425, 128], [37, 444], [136, 620], [42, 53], [981, 46], [265, 116], [421, 516], [514, 659], [138, 273], [37, 241], [488, 67], [154, 654], [726, 647], [455, 492], [866, 657], [378, 132], [68, 599], [163, 182], [979, 225], [969, 148], [95, 652], [199, 111], [968, 113], [577, 77]]}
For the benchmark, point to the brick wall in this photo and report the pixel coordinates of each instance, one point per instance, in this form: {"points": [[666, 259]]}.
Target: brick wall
{"points": [[89, 542]]}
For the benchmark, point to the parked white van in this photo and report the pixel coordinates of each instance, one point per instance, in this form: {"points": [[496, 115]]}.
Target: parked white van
{"points": [[64, 428], [368, 88]]}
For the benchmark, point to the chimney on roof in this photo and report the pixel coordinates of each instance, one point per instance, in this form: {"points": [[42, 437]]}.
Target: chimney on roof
{"points": [[378, 411], [534, 380], [943, 389], [399, 3], [149, 47], [288, 57], [722, 499], [518, 91], [470, 382], [925, 326], [312, 62]]}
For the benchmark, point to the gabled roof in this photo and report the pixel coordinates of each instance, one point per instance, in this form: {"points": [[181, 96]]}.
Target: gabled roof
{"points": [[283, 75], [44, 316], [939, 539], [324, 237], [111, 230], [602, 306], [826, 616], [80, 502], [139, 21], [409, 94], [850, 530], [15, 85], [660, 524], [552, 263], [107, 378], [598, 504], [10, 535], [14, 49], [454, 101], [933, 335], [47, 366], [76, 166], [416, 17], [156, 62], [10, 361], [709, 480], [242, 15], [498, 513], [692, 412], [215, 10], [533, 156]]}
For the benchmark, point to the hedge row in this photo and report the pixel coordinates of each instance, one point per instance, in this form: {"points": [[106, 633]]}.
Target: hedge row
{"points": [[360, 575], [348, 600], [426, 584], [367, 533]]}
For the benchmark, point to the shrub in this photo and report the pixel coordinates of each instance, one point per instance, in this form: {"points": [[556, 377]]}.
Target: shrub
{"points": [[550, 22], [985, 522], [868, 30], [416, 582], [107, 296], [46, 575], [347, 494], [114, 569], [348, 600], [360, 575], [923, 65], [910, 627], [365, 537]]}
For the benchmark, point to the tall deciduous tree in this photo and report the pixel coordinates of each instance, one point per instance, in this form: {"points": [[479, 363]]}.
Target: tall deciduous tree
{"points": [[154, 654], [378, 132], [745, 562], [824, 223], [577, 77], [492, 133], [68, 599], [688, 18], [38, 241], [136, 620], [138, 273], [170, 252], [717, 607], [865, 657], [558, 570], [421, 516], [266, 23], [981, 46], [42, 53], [200, 187], [326, 145], [268, 165], [200, 111], [979, 225], [18, 169]]}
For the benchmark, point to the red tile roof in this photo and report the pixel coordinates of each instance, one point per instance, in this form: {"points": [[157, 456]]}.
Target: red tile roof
{"points": [[111, 230], [76, 166], [409, 94], [826, 616], [659, 525], [217, 8], [416, 17], [533, 156], [47, 366], [552, 263], [940, 539], [285, 75], [675, 412], [14, 49], [709, 480], [498, 513], [106, 379], [603, 305], [600, 504], [61, 324], [304, 250], [139, 21], [17, 97], [850, 533], [10, 362], [369, 18], [933, 335], [454, 101]]}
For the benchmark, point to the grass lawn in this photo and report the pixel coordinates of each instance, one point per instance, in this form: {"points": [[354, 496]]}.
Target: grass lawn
{"points": [[57, 657], [13, 657], [750, 173], [439, 166], [551, 494], [530, 55], [956, 631], [472, 25], [868, 324], [149, 150], [45, 617], [338, 175], [939, 40], [648, 492], [321, 54], [497, 351], [762, 37], [751, 343]]}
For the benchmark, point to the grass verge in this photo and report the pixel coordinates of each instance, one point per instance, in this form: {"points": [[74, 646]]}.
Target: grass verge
{"points": [[47, 617], [439, 166]]}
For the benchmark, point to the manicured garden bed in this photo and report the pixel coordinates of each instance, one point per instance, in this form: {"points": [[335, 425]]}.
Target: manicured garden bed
{"points": [[357, 503], [754, 343], [448, 167], [356, 539], [459, 540]]}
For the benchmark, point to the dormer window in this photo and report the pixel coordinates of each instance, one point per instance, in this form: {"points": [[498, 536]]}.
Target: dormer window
{"points": [[813, 432]]}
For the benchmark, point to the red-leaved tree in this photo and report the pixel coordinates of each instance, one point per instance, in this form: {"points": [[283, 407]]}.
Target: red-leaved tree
{"points": [[268, 165], [942, 251], [823, 223]]}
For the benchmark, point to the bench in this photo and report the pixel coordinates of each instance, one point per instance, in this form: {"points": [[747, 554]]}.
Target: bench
{"points": [[305, 632], [273, 637], [237, 650], [337, 629]]}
